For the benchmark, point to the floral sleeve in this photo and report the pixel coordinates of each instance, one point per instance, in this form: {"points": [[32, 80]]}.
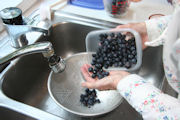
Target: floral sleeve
{"points": [[149, 101], [155, 27]]}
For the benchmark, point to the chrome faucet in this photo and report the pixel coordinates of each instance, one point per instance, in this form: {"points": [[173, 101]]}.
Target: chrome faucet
{"points": [[56, 63], [17, 33], [20, 44]]}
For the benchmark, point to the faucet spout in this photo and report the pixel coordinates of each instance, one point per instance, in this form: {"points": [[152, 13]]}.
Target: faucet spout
{"points": [[56, 63], [43, 47]]}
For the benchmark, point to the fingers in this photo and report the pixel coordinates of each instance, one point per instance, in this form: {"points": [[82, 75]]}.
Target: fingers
{"points": [[90, 85], [123, 26], [103, 84], [86, 74]]}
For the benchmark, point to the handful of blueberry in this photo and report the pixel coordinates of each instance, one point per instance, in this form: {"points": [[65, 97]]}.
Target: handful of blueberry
{"points": [[114, 51]]}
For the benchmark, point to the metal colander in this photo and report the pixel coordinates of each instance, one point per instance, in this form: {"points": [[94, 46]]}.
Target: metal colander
{"points": [[65, 89]]}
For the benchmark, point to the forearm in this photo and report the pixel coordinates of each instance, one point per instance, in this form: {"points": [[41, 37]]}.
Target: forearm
{"points": [[147, 99], [155, 27]]}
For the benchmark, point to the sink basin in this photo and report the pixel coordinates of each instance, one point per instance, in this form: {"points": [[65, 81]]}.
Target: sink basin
{"points": [[26, 80], [7, 114]]}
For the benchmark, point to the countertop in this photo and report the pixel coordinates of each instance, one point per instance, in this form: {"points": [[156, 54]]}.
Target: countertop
{"points": [[137, 12]]}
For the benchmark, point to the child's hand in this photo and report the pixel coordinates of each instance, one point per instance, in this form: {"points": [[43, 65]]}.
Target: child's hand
{"points": [[139, 27], [107, 83]]}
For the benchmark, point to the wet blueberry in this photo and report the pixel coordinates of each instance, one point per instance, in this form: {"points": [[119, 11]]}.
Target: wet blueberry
{"points": [[132, 48], [134, 60], [112, 35], [100, 76], [116, 64], [93, 55], [98, 101], [86, 90], [93, 63], [127, 65], [90, 102], [93, 75], [90, 69]]}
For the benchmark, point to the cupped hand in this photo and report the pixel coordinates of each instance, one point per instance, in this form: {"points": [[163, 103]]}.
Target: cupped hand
{"points": [[107, 83], [139, 27]]}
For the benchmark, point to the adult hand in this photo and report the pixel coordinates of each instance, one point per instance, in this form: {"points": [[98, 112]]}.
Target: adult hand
{"points": [[139, 27], [107, 83]]}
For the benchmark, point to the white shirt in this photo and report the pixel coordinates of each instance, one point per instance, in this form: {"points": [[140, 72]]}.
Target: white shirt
{"points": [[148, 100]]}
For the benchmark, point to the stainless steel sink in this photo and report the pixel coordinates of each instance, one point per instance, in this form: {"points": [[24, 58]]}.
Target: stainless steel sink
{"points": [[25, 80], [8, 114]]}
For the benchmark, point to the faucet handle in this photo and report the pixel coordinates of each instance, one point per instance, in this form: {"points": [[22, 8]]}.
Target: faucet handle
{"points": [[17, 33]]}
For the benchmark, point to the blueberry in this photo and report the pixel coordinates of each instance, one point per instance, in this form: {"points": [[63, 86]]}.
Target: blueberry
{"points": [[108, 46], [125, 55], [93, 75], [115, 55], [82, 96], [97, 66], [119, 52], [93, 94], [120, 57], [134, 60], [94, 91], [90, 69], [124, 60], [94, 59], [127, 65], [101, 70], [93, 55], [128, 52], [116, 64], [84, 103], [86, 99], [108, 62], [95, 70], [106, 66], [123, 50], [132, 48], [133, 52], [100, 76], [98, 101], [130, 56], [123, 46], [117, 59], [92, 63], [112, 34], [90, 102], [121, 64], [106, 42], [119, 35], [86, 90], [105, 58], [128, 46], [123, 37], [81, 100], [101, 35], [113, 48]]}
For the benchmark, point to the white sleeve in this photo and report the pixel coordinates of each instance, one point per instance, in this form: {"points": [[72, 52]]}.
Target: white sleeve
{"points": [[149, 101], [155, 27]]}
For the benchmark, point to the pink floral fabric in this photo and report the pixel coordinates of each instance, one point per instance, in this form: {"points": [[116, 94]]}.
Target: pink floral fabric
{"points": [[149, 101]]}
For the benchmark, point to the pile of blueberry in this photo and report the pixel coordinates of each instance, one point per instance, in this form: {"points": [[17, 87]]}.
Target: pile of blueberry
{"points": [[89, 98], [114, 51]]}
